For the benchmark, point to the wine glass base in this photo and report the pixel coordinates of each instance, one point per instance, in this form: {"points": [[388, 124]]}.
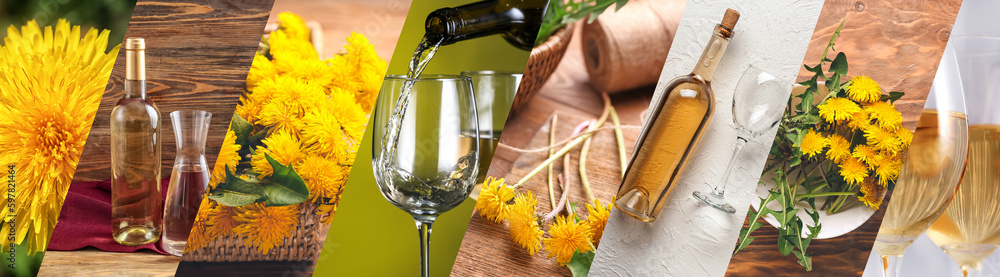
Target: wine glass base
{"points": [[715, 201]]}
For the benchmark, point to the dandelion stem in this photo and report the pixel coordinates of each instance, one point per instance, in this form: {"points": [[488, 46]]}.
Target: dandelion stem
{"points": [[552, 138], [621, 140]]}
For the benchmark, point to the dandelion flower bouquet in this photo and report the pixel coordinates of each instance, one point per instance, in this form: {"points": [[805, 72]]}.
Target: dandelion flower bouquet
{"points": [[292, 141], [51, 83], [848, 148]]}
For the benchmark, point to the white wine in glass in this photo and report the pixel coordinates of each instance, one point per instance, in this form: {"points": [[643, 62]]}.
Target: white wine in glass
{"points": [[969, 230]]}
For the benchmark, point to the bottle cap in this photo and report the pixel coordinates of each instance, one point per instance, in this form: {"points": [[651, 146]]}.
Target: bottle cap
{"points": [[135, 59], [135, 44]]}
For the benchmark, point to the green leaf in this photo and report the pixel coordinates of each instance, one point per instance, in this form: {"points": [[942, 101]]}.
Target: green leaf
{"points": [[745, 239], [284, 187], [804, 259], [241, 127], [895, 95], [580, 264], [236, 192], [839, 64]]}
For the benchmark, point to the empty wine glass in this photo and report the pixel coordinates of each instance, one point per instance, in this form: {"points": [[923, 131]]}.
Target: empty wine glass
{"points": [[932, 170], [969, 229], [431, 165], [754, 112]]}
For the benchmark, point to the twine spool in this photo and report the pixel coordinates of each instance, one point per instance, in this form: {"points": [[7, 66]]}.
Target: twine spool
{"points": [[626, 49]]}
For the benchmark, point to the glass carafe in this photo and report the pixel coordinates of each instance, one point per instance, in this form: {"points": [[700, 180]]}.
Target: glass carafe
{"points": [[188, 179]]}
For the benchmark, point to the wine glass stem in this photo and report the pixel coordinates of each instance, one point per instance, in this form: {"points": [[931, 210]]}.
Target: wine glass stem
{"points": [[424, 229], [720, 189], [891, 265]]}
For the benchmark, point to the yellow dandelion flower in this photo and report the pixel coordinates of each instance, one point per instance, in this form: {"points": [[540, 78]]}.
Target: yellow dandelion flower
{"points": [[360, 71], [221, 220], [881, 139], [905, 138], [888, 169], [335, 128], [51, 84], [493, 198], [293, 25], [285, 47], [853, 170], [228, 156], [872, 195], [260, 70], [282, 147], [864, 90], [523, 221], [885, 115], [281, 117], [266, 227], [313, 71], [567, 237], [840, 148], [248, 109], [866, 155], [323, 177], [200, 236], [813, 143], [860, 121], [836, 110], [597, 218]]}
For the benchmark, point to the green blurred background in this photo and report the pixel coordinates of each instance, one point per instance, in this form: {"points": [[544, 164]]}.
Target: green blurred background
{"points": [[371, 237], [101, 14]]}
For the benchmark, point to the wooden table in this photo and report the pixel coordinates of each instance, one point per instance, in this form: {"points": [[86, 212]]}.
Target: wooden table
{"points": [[568, 93], [94, 262], [897, 43]]}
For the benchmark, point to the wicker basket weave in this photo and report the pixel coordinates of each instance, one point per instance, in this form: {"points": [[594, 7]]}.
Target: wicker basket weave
{"points": [[304, 245], [543, 61]]}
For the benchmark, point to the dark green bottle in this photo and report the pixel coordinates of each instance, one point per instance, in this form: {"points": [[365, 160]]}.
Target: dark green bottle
{"points": [[517, 20]]}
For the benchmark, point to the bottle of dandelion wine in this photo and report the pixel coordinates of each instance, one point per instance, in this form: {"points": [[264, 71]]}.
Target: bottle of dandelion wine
{"points": [[673, 130], [136, 204], [517, 20]]}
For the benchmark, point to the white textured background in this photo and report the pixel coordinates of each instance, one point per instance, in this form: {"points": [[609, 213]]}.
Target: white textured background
{"points": [[690, 238]]}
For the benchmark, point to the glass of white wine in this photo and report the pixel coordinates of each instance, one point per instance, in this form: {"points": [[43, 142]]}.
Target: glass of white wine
{"points": [[494, 94], [431, 165], [969, 229], [932, 170], [755, 113]]}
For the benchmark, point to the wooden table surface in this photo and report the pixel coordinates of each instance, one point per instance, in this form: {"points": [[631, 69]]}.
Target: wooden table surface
{"points": [[897, 43], [94, 262], [487, 248], [198, 53]]}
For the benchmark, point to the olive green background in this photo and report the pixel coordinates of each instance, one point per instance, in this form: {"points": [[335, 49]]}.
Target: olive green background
{"points": [[371, 237]]}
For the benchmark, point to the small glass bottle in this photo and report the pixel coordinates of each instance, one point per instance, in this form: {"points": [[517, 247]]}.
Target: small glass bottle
{"points": [[188, 179], [669, 137], [136, 200], [517, 20]]}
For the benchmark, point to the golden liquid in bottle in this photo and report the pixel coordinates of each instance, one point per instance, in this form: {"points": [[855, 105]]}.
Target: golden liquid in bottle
{"points": [[969, 229], [931, 172], [660, 157]]}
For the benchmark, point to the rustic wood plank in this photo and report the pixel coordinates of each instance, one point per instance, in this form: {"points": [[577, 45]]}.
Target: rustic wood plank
{"points": [[486, 248], [94, 262], [198, 53], [897, 43]]}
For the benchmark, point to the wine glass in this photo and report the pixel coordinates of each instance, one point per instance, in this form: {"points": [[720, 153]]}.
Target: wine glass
{"points": [[430, 166], [969, 229], [494, 94], [932, 170], [754, 112]]}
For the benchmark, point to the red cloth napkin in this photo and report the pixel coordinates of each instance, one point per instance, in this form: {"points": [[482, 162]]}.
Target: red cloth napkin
{"points": [[85, 220]]}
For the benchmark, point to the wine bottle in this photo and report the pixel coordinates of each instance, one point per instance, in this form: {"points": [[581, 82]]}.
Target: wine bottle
{"points": [[673, 131], [136, 201], [517, 20]]}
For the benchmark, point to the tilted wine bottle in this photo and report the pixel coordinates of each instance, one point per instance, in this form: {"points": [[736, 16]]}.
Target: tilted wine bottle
{"points": [[678, 120], [517, 20]]}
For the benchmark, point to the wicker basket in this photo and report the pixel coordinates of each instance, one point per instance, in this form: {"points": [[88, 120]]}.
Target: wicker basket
{"points": [[304, 245], [543, 61]]}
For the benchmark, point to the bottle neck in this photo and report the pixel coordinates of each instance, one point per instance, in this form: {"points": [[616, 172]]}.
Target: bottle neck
{"points": [[479, 19], [135, 89], [709, 60]]}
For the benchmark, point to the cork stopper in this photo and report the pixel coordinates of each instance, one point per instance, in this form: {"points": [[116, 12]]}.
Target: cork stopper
{"points": [[728, 22]]}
